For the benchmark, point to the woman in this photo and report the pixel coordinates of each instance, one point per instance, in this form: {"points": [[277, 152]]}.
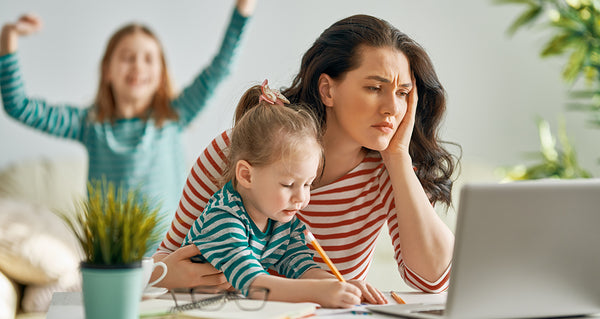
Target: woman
{"points": [[379, 104]]}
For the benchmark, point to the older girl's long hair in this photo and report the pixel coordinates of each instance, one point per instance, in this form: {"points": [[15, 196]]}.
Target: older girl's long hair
{"points": [[105, 98], [337, 51]]}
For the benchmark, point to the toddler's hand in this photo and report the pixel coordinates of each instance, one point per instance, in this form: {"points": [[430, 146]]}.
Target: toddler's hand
{"points": [[332, 293], [370, 294]]}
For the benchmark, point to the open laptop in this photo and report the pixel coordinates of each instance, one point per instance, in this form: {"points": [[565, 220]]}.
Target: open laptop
{"points": [[522, 250]]}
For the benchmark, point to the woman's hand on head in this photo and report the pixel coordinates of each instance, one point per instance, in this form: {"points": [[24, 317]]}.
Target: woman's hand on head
{"points": [[369, 293], [400, 142], [245, 7], [183, 273], [25, 25]]}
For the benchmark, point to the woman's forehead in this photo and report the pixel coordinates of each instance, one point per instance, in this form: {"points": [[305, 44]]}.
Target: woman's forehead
{"points": [[385, 63]]}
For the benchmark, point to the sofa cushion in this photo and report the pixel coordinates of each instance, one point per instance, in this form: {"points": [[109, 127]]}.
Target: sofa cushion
{"points": [[50, 183], [8, 297], [36, 246]]}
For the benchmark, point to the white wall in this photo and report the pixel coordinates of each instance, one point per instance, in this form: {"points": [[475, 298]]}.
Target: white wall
{"points": [[495, 84]]}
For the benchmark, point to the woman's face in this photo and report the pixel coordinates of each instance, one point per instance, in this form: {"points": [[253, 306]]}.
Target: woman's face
{"points": [[367, 104]]}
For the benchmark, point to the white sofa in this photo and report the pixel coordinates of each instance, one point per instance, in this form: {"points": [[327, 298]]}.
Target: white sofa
{"points": [[38, 254]]}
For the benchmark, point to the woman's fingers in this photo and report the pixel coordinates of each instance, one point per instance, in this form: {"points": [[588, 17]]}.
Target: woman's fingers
{"points": [[185, 252], [183, 273]]}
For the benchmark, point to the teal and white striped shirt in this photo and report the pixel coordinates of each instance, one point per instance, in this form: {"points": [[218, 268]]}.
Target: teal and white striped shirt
{"points": [[129, 152], [229, 240]]}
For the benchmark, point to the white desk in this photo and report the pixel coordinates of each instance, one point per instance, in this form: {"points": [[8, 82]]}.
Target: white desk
{"points": [[68, 305]]}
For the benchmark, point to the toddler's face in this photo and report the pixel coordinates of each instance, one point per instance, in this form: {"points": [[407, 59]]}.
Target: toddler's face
{"points": [[281, 189], [134, 72]]}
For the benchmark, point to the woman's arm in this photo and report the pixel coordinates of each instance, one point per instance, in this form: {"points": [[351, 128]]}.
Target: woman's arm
{"points": [[426, 242]]}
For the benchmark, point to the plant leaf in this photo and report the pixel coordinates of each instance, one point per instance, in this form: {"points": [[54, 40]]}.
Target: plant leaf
{"points": [[526, 18], [557, 45], [575, 63]]}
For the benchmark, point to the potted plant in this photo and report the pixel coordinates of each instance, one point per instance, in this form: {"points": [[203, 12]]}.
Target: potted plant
{"points": [[114, 229]]}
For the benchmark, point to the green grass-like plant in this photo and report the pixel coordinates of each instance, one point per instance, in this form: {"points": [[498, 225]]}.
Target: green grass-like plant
{"points": [[114, 227]]}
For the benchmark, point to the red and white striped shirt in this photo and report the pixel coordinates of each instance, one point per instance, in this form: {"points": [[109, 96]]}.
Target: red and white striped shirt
{"points": [[345, 216]]}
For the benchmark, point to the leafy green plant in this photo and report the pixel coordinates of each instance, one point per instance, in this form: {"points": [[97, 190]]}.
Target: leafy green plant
{"points": [[555, 161], [576, 26], [113, 227]]}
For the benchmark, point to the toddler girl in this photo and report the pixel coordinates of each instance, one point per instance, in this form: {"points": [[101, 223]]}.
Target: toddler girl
{"points": [[250, 224]]}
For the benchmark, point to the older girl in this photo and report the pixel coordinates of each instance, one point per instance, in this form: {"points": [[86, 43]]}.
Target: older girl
{"points": [[133, 130]]}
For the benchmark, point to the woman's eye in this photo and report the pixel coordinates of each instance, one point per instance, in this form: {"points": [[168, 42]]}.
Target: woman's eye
{"points": [[402, 93], [286, 185]]}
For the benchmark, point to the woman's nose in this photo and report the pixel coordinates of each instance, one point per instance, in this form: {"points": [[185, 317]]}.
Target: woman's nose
{"points": [[392, 105]]}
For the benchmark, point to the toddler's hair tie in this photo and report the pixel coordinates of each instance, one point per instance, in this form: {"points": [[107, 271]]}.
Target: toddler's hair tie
{"points": [[271, 96]]}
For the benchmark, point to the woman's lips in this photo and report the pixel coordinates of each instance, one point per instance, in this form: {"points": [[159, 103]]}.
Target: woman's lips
{"points": [[385, 127]]}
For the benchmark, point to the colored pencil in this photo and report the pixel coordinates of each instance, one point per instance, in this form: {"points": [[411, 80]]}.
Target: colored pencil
{"points": [[397, 298], [311, 238]]}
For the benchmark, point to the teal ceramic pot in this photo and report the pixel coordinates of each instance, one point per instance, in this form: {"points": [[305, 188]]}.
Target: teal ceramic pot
{"points": [[111, 291]]}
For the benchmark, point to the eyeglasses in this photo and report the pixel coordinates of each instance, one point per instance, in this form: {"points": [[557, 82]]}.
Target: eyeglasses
{"points": [[251, 299]]}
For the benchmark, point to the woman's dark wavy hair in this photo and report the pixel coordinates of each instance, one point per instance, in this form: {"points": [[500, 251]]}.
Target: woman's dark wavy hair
{"points": [[337, 51]]}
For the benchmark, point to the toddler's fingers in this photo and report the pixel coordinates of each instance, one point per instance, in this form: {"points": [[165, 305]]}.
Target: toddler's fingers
{"points": [[369, 296], [350, 300], [378, 296]]}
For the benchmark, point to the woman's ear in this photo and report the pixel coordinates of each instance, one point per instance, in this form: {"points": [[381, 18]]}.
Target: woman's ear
{"points": [[243, 173], [326, 89]]}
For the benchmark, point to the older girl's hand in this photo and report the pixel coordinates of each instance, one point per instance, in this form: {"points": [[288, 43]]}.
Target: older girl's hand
{"points": [[401, 140], [183, 273], [26, 25], [245, 7]]}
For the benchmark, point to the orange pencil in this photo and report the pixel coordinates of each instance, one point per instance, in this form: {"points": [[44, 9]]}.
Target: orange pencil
{"points": [[311, 238], [397, 298]]}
